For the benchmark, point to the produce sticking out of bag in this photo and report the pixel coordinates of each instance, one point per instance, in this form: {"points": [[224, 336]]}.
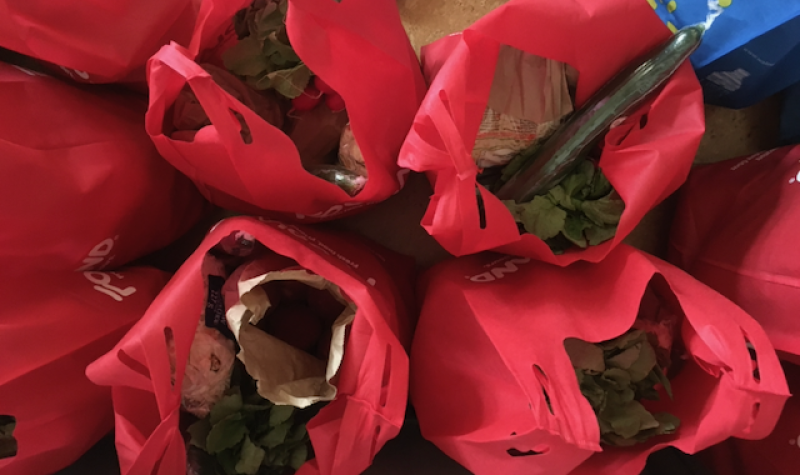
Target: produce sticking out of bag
{"points": [[550, 179], [254, 379], [266, 75], [8, 444], [615, 375]]}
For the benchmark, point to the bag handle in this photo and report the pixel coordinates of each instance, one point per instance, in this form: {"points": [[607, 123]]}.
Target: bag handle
{"points": [[215, 101], [155, 449], [219, 107], [767, 393], [378, 403]]}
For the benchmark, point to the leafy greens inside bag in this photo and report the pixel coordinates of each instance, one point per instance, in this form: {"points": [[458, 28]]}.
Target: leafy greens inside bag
{"points": [[530, 98], [616, 375], [263, 362], [264, 73]]}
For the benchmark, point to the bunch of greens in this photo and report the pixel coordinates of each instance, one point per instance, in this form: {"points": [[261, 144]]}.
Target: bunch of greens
{"points": [[263, 56], [614, 376], [250, 435], [8, 444], [582, 210]]}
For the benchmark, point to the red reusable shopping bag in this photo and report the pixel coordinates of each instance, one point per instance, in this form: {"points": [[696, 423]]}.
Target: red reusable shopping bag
{"points": [[95, 41], [645, 159], [736, 230], [81, 185], [778, 454], [488, 355], [359, 47], [373, 385], [51, 327]]}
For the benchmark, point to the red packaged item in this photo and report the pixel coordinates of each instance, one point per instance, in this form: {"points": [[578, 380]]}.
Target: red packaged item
{"points": [[224, 293], [95, 41], [80, 180], [502, 343], [246, 157], [53, 325], [777, 454], [735, 230], [645, 157]]}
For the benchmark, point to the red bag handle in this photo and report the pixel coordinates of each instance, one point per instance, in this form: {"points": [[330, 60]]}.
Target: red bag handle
{"points": [[358, 425], [446, 111], [215, 100], [770, 391], [159, 448], [219, 106]]}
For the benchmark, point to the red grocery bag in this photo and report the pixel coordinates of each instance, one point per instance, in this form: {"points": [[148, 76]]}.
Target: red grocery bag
{"points": [[81, 185], [374, 69], [372, 390], [52, 326], [736, 231], [93, 40], [645, 159], [777, 454], [495, 389]]}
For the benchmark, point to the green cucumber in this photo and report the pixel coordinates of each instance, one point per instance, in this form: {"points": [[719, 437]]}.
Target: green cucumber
{"points": [[346, 179], [562, 152]]}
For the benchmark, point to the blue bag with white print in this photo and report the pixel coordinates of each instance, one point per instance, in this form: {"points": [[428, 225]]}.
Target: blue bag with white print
{"points": [[750, 51]]}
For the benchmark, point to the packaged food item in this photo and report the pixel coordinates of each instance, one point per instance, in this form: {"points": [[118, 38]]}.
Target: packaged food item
{"points": [[528, 101]]}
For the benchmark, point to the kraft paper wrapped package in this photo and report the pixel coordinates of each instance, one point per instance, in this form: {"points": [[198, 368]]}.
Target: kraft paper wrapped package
{"points": [[735, 230], [96, 41], [81, 185], [253, 151], [751, 50], [644, 158], [209, 312], [53, 325], [501, 341]]}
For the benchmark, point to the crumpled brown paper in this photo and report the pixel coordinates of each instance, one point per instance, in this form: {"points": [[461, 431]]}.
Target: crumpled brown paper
{"points": [[286, 375], [529, 99]]}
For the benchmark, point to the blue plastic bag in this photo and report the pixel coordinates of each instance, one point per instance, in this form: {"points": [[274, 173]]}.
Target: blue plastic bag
{"points": [[750, 51]]}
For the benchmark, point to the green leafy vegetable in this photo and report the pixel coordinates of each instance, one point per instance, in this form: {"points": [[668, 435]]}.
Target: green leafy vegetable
{"points": [[250, 458], [198, 433], [276, 436], [8, 444], [540, 217], [298, 457], [226, 434], [614, 376], [280, 414], [583, 210], [264, 57], [228, 405], [251, 436]]}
